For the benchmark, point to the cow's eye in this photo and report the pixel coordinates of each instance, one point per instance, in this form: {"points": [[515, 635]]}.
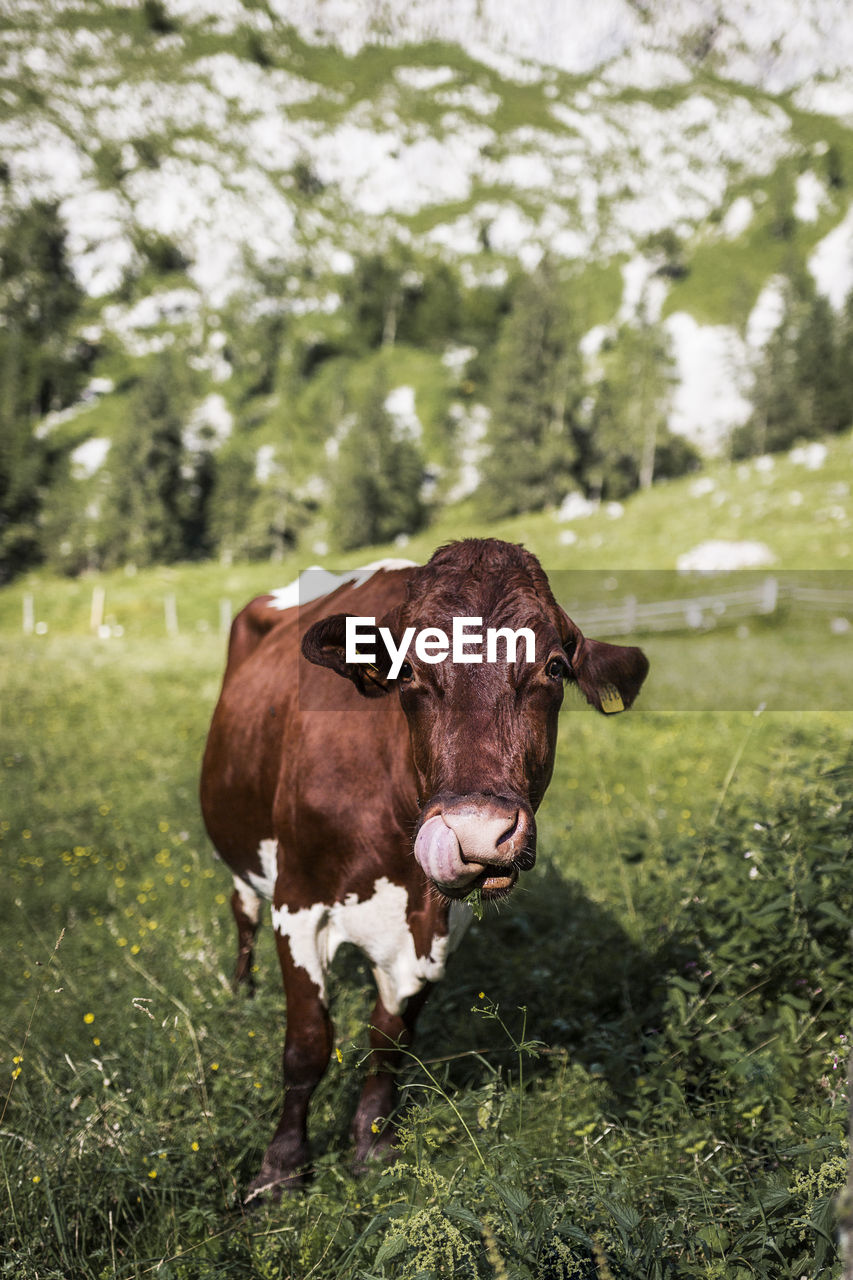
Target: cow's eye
{"points": [[556, 669], [406, 672]]}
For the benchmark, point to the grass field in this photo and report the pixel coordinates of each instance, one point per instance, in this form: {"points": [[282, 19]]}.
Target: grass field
{"points": [[635, 1068]]}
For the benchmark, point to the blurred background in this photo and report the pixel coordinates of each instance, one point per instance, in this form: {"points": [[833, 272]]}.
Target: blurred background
{"points": [[292, 280]]}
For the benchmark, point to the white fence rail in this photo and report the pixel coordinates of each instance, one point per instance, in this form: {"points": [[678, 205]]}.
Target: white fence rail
{"points": [[703, 613], [629, 617]]}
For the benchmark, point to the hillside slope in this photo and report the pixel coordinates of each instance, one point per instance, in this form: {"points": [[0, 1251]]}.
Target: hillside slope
{"points": [[680, 158], [795, 508]]}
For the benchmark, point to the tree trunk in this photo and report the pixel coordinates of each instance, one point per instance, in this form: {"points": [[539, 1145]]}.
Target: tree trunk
{"points": [[647, 459], [389, 328]]}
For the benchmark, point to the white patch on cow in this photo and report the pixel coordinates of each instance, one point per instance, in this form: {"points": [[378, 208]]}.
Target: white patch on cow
{"points": [[315, 582], [264, 883], [377, 926], [249, 900]]}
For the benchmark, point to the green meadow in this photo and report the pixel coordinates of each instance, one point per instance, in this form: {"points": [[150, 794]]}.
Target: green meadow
{"points": [[635, 1068]]}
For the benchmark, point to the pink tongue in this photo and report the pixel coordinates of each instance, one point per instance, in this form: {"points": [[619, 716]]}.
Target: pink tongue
{"points": [[437, 851]]}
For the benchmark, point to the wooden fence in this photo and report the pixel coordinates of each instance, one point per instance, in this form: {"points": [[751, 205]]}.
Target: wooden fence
{"points": [[629, 617], [720, 608], [100, 625]]}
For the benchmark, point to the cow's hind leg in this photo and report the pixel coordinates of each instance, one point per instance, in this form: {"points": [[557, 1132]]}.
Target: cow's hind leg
{"points": [[373, 1130], [246, 905], [307, 1049]]}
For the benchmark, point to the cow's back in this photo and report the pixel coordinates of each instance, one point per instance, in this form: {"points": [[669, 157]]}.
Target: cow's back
{"points": [[293, 751]]}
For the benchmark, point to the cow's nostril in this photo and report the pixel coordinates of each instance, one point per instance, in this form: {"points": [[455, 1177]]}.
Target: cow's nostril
{"points": [[511, 829]]}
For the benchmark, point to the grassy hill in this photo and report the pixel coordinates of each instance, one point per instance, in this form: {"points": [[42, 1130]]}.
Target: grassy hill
{"points": [[215, 169], [802, 515]]}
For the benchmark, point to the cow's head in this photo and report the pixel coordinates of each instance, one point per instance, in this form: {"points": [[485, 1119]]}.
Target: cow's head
{"points": [[483, 735]]}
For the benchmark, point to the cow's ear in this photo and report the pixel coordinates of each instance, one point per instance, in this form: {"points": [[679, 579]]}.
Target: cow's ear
{"points": [[608, 675], [324, 644]]}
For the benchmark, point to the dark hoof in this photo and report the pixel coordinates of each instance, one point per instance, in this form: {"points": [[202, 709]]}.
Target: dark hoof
{"points": [[244, 984], [375, 1149]]}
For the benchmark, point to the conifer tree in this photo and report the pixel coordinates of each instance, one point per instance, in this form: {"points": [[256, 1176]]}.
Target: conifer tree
{"points": [[376, 488], [235, 492], [150, 487], [803, 386], [845, 364], [40, 370], [628, 423], [817, 371], [537, 387], [379, 294]]}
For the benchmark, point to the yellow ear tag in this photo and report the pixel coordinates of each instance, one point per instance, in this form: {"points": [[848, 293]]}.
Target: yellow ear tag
{"points": [[611, 699]]}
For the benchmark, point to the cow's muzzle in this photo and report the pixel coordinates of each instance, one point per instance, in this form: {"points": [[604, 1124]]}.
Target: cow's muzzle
{"points": [[476, 842]]}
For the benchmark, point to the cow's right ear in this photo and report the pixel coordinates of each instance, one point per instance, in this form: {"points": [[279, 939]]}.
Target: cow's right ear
{"points": [[324, 644], [608, 675]]}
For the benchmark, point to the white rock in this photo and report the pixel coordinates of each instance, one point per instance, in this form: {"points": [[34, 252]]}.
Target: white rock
{"points": [[471, 428], [737, 218], [831, 263], [100, 386], [810, 197], [456, 358], [265, 463], [575, 507], [642, 290], [718, 555], [400, 404], [209, 426], [812, 456], [766, 315], [89, 457], [424, 78], [707, 403]]}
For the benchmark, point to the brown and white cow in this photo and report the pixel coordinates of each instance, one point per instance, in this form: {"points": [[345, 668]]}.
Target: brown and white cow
{"points": [[368, 818]]}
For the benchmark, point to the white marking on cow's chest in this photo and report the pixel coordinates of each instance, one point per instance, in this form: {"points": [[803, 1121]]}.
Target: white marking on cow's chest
{"points": [[316, 582], [378, 927]]}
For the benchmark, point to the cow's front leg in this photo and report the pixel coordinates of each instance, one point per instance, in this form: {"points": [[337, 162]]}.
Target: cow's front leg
{"points": [[307, 1048], [373, 1130]]}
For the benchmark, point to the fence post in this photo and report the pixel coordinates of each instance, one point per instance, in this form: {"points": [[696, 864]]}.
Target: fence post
{"points": [[769, 595], [224, 617], [171, 612], [29, 614], [96, 617]]}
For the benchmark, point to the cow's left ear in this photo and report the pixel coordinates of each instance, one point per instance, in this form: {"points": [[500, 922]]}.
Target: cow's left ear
{"points": [[608, 675], [324, 644]]}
